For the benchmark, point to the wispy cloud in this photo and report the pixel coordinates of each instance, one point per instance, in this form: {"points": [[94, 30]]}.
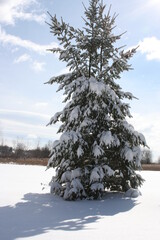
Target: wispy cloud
{"points": [[20, 9], [153, 3], [34, 65], [26, 125], [41, 104], [32, 136], [16, 41], [31, 17], [145, 8], [14, 50], [22, 58], [19, 129], [38, 66], [25, 113]]}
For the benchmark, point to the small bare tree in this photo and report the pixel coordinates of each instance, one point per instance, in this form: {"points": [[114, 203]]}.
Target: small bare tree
{"points": [[19, 148], [146, 156]]}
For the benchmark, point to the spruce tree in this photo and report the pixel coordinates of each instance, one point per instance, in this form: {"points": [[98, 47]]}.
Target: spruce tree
{"points": [[98, 149]]}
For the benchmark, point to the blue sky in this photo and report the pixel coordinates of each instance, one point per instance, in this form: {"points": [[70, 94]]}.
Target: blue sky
{"points": [[26, 104]]}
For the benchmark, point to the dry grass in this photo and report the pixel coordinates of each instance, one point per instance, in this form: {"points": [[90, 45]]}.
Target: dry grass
{"points": [[151, 167], [44, 161], [26, 161]]}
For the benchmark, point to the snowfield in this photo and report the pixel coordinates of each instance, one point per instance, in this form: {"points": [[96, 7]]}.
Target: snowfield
{"points": [[27, 211]]}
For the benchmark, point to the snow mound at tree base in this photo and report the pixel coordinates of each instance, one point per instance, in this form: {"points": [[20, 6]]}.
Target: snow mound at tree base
{"points": [[133, 193]]}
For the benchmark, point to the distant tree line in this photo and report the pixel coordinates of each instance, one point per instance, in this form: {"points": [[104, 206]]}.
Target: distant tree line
{"points": [[21, 151]]}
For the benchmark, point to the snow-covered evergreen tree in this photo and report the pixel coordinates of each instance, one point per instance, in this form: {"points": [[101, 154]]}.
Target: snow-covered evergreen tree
{"points": [[98, 149]]}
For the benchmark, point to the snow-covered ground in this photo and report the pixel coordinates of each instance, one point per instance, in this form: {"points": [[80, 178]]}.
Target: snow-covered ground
{"points": [[29, 212]]}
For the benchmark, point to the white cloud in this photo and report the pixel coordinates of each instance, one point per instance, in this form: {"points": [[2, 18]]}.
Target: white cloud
{"points": [[26, 125], [27, 44], [150, 47], [153, 3], [38, 66], [14, 50], [10, 10], [32, 136], [25, 113], [23, 58], [35, 65], [146, 8], [148, 124], [41, 104], [18, 129], [30, 16]]}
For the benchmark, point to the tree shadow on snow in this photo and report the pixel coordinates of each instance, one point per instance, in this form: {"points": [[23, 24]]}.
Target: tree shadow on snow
{"points": [[42, 212]]}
